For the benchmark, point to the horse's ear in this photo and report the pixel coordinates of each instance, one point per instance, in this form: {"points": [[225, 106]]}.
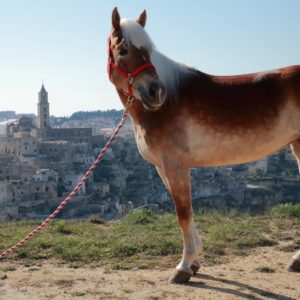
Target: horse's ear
{"points": [[142, 18], [115, 19]]}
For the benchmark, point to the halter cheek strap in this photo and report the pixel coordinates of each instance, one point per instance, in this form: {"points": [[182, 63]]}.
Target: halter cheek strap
{"points": [[129, 76]]}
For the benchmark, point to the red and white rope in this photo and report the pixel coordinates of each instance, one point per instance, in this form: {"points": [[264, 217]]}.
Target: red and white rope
{"points": [[72, 194]]}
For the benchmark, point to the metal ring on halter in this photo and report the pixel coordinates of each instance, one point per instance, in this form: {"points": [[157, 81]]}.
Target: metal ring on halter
{"points": [[130, 79]]}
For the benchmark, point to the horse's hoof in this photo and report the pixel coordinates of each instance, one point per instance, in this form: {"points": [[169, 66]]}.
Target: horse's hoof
{"points": [[294, 266], [180, 277], [195, 267]]}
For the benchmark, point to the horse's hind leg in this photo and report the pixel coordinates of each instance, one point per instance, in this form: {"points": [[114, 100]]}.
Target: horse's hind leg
{"points": [[177, 180], [294, 265]]}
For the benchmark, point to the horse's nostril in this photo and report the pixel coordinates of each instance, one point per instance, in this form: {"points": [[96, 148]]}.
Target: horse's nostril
{"points": [[153, 89]]}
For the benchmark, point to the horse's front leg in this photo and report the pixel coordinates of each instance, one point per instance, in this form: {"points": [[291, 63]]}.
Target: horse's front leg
{"points": [[177, 181]]}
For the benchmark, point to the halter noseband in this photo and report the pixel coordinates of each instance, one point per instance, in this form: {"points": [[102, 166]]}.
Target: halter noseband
{"points": [[129, 76]]}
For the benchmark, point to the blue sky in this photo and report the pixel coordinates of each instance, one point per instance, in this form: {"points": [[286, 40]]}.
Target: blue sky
{"points": [[63, 42]]}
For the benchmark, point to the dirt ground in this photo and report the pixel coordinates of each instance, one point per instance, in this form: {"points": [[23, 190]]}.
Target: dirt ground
{"points": [[240, 278]]}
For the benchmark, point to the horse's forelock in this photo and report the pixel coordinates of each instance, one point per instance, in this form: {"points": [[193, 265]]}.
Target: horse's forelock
{"points": [[135, 34]]}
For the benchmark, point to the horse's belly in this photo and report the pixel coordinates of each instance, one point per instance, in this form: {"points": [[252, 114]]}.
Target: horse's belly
{"points": [[217, 149]]}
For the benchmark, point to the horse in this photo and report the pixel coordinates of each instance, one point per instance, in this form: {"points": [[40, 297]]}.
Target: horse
{"points": [[185, 118]]}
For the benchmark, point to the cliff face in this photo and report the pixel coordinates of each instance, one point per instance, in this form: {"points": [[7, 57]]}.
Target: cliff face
{"points": [[254, 186]]}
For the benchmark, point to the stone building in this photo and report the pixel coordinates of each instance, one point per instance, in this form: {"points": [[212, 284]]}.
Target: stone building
{"points": [[4, 127], [20, 146], [31, 199], [20, 128], [55, 151], [77, 135]]}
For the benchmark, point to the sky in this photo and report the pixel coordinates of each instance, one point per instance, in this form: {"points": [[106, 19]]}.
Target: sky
{"points": [[63, 44]]}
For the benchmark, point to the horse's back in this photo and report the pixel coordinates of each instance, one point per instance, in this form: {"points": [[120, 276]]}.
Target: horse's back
{"points": [[243, 101]]}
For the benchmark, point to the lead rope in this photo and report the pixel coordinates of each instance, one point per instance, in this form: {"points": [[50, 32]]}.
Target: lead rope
{"points": [[72, 194]]}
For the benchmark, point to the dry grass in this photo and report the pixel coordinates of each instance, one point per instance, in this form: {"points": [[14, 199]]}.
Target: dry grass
{"points": [[143, 238]]}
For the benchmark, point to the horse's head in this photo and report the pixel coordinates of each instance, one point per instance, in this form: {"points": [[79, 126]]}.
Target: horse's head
{"points": [[130, 67]]}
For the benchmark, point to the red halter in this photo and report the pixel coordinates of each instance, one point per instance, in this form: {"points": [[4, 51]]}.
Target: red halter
{"points": [[129, 76]]}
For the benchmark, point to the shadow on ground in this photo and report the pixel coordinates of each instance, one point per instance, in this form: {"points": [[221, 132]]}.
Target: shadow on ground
{"points": [[228, 290]]}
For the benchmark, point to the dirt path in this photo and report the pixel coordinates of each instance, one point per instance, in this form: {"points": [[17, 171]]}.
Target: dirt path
{"points": [[238, 279]]}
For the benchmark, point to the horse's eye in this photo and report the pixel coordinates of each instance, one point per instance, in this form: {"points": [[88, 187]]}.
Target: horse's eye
{"points": [[123, 51]]}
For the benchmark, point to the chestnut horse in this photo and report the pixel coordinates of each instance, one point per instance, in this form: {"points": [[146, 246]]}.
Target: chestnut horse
{"points": [[184, 118]]}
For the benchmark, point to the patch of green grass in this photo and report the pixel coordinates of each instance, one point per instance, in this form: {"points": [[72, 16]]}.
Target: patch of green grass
{"points": [[120, 266], [141, 216], [166, 247], [96, 220], [286, 210], [122, 250], [253, 242], [214, 247], [62, 227], [143, 239]]}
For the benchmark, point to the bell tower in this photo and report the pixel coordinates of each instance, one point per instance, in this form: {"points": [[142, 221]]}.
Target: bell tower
{"points": [[43, 120]]}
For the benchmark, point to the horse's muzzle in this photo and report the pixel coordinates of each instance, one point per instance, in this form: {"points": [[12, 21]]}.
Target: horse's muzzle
{"points": [[153, 96]]}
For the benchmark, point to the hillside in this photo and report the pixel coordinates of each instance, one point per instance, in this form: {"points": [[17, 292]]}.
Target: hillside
{"points": [[36, 173], [244, 256]]}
